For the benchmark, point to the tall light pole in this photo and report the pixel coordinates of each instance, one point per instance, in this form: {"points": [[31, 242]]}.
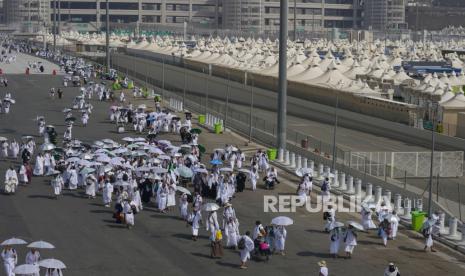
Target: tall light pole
{"points": [[54, 25], [433, 128], [282, 84], [295, 20], [341, 84], [59, 18], [107, 36]]}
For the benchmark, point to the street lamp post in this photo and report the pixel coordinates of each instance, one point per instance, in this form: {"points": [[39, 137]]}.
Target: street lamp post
{"points": [[295, 20], [54, 25], [336, 91], [433, 128], [282, 86], [107, 36]]}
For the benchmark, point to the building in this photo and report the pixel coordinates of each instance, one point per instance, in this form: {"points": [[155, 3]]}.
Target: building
{"points": [[384, 14], [29, 15], [263, 15], [445, 13], [164, 12]]}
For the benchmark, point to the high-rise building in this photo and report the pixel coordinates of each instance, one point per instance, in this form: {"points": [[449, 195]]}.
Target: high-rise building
{"points": [[263, 15], [384, 14], [445, 13], [28, 14]]}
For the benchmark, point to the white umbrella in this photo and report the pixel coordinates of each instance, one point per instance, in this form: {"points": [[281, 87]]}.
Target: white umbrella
{"points": [[120, 150], [52, 263], [47, 146], [73, 159], [282, 220], [336, 225], [183, 190], [164, 142], [139, 139], [303, 171], [13, 241], [143, 169], [128, 139], [356, 225], [155, 150], [103, 159], [244, 170], [226, 169], [26, 269], [115, 162], [86, 156], [41, 245], [159, 170], [84, 163], [209, 207], [108, 141], [232, 148], [201, 170], [3, 139], [127, 166], [164, 157]]}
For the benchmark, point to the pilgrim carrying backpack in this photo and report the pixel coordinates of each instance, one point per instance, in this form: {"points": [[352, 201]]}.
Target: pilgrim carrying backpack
{"points": [[241, 244]]}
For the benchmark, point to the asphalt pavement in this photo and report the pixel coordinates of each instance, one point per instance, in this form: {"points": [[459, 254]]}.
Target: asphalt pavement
{"points": [[90, 243]]}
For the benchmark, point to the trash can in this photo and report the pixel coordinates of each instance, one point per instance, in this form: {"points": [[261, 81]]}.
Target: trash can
{"points": [[271, 153], [218, 127], [418, 219], [304, 143], [202, 119]]}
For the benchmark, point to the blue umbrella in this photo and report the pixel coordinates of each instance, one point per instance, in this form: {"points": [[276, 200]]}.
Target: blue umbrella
{"points": [[216, 162]]}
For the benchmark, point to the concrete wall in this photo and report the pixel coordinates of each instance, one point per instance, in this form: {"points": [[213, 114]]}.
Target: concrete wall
{"points": [[216, 88]]}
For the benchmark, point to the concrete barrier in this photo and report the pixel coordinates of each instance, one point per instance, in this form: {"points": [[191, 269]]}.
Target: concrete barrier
{"points": [[453, 235], [378, 194], [398, 203], [350, 184], [286, 158], [358, 187], [369, 192], [305, 163], [299, 162], [342, 181], [407, 209], [281, 155], [292, 161]]}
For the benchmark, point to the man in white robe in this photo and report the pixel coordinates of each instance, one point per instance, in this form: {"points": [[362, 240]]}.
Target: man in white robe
{"points": [[350, 239], [57, 185], [33, 258], [107, 193], [213, 225], [280, 234], [91, 183], [246, 245], [195, 219], [11, 180], [10, 259], [39, 165], [72, 178]]}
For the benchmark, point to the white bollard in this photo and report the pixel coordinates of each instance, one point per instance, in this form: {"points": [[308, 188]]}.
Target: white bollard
{"points": [[180, 106], [209, 118], [397, 203], [388, 196], [342, 181], [407, 209], [311, 165], [369, 190], [292, 161], [350, 184], [358, 187], [281, 155], [378, 194], [452, 229], [299, 162], [320, 171], [335, 181], [463, 233], [442, 222], [419, 204], [327, 171], [286, 158], [305, 163]]}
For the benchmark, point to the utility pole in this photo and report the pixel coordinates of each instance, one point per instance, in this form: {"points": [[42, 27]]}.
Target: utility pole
{"points": [[282, 85], [107, 35], [54, 25], [59, 18], [295, 20], [433, 128]]}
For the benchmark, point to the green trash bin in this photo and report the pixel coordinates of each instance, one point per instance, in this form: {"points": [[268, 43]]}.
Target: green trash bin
{"points": [[271, 153], [218, 127], [202, 119], [418, 219]]}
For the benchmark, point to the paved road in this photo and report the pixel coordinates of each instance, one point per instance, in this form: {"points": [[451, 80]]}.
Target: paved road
{"points": [[90, 243]]}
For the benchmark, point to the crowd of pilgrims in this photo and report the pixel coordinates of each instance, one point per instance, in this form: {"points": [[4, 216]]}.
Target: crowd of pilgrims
{"points": [[140, 172]]}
